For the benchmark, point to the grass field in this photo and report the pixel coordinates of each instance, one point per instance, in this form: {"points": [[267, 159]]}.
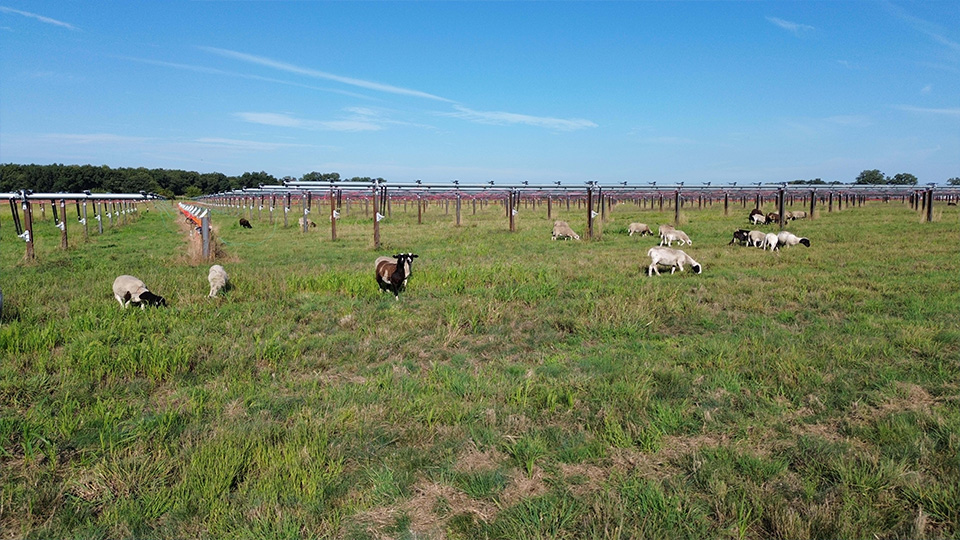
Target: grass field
{"points": [[521, 389]]}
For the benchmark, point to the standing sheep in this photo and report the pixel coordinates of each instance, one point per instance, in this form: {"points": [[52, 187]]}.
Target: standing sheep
{"points": [[562, 230], [756, 238], [641, 228], [245, 224], [770, 240], [218, 279], [670, 257], [789, 239], [740, 236], [675, 235], [130, 290], [309, 222], [392, 272], [798, 214]]}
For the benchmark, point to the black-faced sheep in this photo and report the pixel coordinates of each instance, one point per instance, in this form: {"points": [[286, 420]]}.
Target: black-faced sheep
{"points": [[798, 214], [773, 217], [741, 236], [245, 224], [789, 239], [309, 222], [561, 229], [130, 290], [218, 279], [641, 228], [673, 258], [392, 272]]}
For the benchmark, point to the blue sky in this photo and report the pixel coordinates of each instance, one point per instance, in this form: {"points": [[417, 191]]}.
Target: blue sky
{"points": [[475, 91]]}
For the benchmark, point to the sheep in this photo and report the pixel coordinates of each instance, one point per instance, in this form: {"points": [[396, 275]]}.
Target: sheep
{"points": [[741, 236], [562, 230], [758, 219], [130, 290], [641, 228], [245, 224], [798, 214], [670, 257], [309, 222], [392, 272], [789, 239], [770, 240], [773, 217], [663, 229], [677, 235], [756, 238], [218, 279]]}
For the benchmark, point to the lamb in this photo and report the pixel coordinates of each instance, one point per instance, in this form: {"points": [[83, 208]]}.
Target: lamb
{"points": [[245, 224], [670, 257], [562, 230], [130, 290], [641, 228], [392, 272], [675, 235], [309, 222], [741, 236], [218, 279], [789, 239], [770, 240], [756, 238]]}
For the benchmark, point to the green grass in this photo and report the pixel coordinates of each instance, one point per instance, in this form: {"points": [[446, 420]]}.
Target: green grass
{"points": [[521, 388]]}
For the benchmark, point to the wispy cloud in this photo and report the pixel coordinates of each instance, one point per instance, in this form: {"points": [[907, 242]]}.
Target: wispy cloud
{"points": [[796, 28], [927, 110], [507, 118], [286, 120], [41, 18], [926, 89], [290, 68], [933, 31], [240, 144]]}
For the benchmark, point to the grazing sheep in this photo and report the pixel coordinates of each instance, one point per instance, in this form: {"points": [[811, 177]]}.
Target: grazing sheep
{"points": [[130, 290], [673, 258], [675, 235], [392, 272], [662, 229], [758, 219], [789, 239], [218, 279], [770, 240], [641, 228], [245, 224], [740, 236], [562, 230], [798, 214], [310, 222], [773, 217], [756, 238]]}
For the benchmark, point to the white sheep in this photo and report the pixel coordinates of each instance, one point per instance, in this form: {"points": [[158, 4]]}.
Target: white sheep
{"points": [[675, 235], [770, 241], [789, 239], [130, 290], [663, 229], [798, 214], [218, 279], [562, 230], [309, 222], [758, 219], [756, 238], [641, 228], [673, 258]]}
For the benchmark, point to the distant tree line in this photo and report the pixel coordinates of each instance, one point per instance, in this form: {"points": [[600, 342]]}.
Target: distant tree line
{"points": [[875, 177], [169, 183]]}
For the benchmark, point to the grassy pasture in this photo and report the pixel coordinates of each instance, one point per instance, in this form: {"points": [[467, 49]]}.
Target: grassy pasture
{"points": [[522, 388]]}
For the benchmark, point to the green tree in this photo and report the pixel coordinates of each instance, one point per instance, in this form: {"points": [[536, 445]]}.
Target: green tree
{"points": [[955, 181], [904, 179], [873, 176]]}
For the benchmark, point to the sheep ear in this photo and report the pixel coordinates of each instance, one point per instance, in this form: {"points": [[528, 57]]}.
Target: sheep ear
{"points": [[412, 256]]}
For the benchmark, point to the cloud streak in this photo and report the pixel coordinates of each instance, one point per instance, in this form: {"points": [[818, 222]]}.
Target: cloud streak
{"points": [[41, 18], [927, 110], [506, 118], [795, 28], [290, 68], [931, 30], [285, 120]]}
